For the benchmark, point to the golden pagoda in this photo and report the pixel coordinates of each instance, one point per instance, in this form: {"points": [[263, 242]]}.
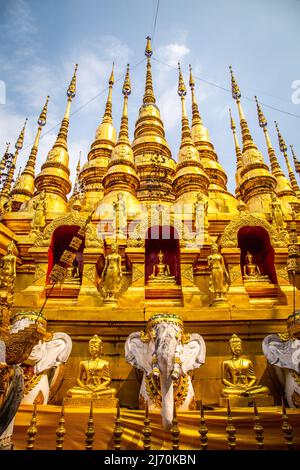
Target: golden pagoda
{"points": [[137, 212]]}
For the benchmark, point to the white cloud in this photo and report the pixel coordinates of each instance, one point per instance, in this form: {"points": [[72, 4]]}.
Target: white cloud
{"points": [[172, 53]]}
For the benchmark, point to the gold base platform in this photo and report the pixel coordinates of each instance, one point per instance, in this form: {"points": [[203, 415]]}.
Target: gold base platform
{"points": [[247, 401], [104, 402]]}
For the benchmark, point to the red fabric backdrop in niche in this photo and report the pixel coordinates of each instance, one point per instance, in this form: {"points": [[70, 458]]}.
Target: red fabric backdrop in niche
{"points": [[256, 240], [61, 239], [164, 238]]}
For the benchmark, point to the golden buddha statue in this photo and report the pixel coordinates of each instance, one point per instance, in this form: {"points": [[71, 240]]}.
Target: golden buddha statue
{"points": [[219, 277], [93, 377], [161, 272], [8, 268], [251, 272], [38, 222], [111, 274], [73, 275], [238, 374]]}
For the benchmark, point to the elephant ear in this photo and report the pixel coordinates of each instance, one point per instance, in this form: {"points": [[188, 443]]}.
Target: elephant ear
{"points": [[193, 355], [55, 352], [138, 353], [284, 354]]}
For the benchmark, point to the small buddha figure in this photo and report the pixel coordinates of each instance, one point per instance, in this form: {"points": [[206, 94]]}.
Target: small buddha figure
{"points": [[219, 277], [111, 274], [39, 218], [161, 271], [93, 377], [73, 275], [238, 374], [8, 268], [201, 220], [277, 214], [251, 271], [120, 215]]}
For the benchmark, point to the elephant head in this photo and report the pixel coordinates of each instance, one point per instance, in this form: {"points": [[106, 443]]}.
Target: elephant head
{"points": [[165, 354], [284, 354]]}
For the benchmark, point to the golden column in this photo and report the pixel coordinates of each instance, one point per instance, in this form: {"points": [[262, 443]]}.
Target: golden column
{"points": [[257, 183], [54, 177], [283, 149], [238, 153], [153, 159], [190, 177], [5, 192], [24, 188], [283, 188], [92, 172]]}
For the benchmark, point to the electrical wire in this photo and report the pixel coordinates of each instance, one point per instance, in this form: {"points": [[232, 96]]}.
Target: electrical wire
{"points": [[228, 90], [155, 21]]}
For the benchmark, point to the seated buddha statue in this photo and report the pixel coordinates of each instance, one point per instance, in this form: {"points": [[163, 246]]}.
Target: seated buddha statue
{"points": [[73, 275], [238, 374], [93, 377], [251, 271], [161, 272]]}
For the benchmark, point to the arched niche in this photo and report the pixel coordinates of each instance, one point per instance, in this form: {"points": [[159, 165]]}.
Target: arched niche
{"points": [[60, 241], [166, 239], [256, 240]]}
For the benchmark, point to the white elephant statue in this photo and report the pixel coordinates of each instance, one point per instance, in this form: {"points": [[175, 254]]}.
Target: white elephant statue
{"points": [[284, 355], [50, 354], [33, 353], [166, 354]]}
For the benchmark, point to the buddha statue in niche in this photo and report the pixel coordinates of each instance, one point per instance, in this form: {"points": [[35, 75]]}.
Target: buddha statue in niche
{"points": [[73, 275], [161, 272], [251, 271]]}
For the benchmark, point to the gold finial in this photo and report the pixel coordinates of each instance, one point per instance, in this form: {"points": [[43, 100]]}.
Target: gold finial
{"points": [[78, 164], [282, 144], [286, 428], [181, 86], [43, 115], [19, 143], [32, 430], [232, 123], [111, 80], [203, 430], [71, 92], [147, 429], [258, 428], [148, 50], [192, 82], [61, 429], [230, 429], [90, 432], [7, 147], [175, 431], [118, 431], [149, 97], [296, 161], [236, 94], [126, 90], [261, 118]]}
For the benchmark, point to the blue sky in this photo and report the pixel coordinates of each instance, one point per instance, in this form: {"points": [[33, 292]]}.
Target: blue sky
{"points": [[41, 40]]}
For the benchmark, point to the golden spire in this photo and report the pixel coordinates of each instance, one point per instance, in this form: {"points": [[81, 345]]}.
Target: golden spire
{"points": [[257, 184], [296, 161], [152, 154], [236, 94], [54, 176], [283, 149], [149, 93], [5, 193], [238, 152], [24, 188], [92, 172], [283, 188], [196, 115], [107, 117], [121, 172], [189, 175], [3, 161]]}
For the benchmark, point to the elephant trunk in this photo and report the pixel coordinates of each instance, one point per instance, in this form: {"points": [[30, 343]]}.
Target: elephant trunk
{"points": [[166, 384]]}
